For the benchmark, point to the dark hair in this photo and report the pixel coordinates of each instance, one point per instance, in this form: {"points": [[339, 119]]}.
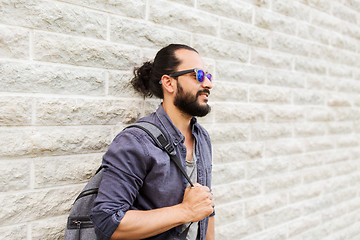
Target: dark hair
{"points": [[147, 77]]}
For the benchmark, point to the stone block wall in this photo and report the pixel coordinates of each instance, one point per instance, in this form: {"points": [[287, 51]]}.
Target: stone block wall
{"points": [[284, 121]]}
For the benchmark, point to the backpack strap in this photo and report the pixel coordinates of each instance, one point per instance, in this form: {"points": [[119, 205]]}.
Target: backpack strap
{"points": [[162, 142]]}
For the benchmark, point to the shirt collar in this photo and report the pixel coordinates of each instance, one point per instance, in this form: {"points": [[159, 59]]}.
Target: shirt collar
{"points": [[172, 130]]}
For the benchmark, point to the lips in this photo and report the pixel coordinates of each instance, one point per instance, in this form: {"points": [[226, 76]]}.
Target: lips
{"points": [[205, 93]]}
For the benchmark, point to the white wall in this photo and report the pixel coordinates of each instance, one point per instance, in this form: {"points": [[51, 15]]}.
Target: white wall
{"points": [[284, 125]]}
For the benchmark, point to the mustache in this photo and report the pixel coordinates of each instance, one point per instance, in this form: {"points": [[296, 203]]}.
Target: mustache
{"points": [[203, 91]]}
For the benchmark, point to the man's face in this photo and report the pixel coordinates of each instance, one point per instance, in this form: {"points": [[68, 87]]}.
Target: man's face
{"points": [[191, 96], [189, 102]]}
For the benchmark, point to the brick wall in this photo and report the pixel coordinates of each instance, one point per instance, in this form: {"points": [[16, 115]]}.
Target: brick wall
{"points": [[284, 126]]}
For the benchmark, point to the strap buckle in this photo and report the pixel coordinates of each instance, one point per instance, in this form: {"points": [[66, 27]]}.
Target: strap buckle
{"points": [[169, 148]]}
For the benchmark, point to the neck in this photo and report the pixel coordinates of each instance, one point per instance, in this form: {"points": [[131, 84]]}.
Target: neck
{"points": [[180, 119]]}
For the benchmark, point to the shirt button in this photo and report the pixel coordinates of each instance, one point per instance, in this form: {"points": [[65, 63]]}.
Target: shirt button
{"points": [[184, 149]]}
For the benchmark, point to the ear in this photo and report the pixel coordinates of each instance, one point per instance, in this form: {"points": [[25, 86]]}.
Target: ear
{"points": [[168, 83]]}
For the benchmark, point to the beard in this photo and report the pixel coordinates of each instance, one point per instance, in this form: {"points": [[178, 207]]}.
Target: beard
{"points": [[188, 103]]}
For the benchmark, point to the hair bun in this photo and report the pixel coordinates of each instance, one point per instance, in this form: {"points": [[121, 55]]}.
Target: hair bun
{"points": [[141, 80]]}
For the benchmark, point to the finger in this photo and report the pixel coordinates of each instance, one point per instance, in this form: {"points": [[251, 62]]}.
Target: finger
{"points": [[211, 197]]}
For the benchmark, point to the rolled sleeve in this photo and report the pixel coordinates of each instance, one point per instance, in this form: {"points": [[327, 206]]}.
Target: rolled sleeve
{"points": [[125, 169]]}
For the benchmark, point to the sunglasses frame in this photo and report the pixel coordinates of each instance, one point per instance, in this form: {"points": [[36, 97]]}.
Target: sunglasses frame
{"points": [[196, 70]]}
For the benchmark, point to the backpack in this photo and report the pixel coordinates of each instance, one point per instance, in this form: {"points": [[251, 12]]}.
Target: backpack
{"points": [[79, 226]]}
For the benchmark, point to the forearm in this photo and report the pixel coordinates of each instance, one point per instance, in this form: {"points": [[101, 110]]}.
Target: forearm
{"points": [[197, 204], [143, 224], [210, 234]]}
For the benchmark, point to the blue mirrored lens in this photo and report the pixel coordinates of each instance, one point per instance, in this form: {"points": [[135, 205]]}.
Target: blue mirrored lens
{"points": [[209, 76], [200, 75]]}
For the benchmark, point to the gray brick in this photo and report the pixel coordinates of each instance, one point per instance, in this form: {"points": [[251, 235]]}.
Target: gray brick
{"points": [[269, 167], [283, 147], [53, 16], [353, 4], [82, 52], [61, 111], [237, 190], [340, 128], [119, 85], [309, 129], [145, 34], [339, 100], [280, 216], [237, 72], [15, 110], [347, 141], [319, 114], [309, 98], [35, 205], [308, 160], [14, 43], [273, 234], [319, 144], [345, 114], [239, 152], [243, 228], [185, 2], [185, 18], [349, 85], [269, 95], [39, 78], [339, 41], [229, 213], [244, 33], [221, 49], [285, 114], [270, 131], [303, 224], [232, 113], [259, 3], [40, 141], [78, 169], [129, 8], [323, 20], [13, 232], [286, 78], [314, 33], [229, 92], [289, 44], [280, 182], [49, 229], [345, 13], [293, 9], [15, 175], [271, 59], [262, 204], [322, 5], [227, 173], [274, 22], [221, 133], [230, 9], [304, 192]]}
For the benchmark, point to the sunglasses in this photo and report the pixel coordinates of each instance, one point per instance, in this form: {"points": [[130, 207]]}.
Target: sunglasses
{"points": [[200, 74]]}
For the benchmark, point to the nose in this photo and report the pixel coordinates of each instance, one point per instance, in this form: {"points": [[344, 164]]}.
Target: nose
{"points": [[206, 83]]}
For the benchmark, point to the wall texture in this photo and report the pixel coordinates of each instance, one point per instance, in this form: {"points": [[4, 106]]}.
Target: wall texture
{"points": [[285, 121]]}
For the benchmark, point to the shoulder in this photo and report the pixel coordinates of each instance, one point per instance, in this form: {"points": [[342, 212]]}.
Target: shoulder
{"points": [[201, 131]]}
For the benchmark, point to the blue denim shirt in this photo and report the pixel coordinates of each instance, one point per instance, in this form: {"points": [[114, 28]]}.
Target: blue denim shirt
{"points": [[141, 176]]}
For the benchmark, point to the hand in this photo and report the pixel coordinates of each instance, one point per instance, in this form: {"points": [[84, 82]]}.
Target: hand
{"points": [[198, 202]]}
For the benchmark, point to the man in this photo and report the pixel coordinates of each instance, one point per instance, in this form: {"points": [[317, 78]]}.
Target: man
{"points": [[143, 195]]}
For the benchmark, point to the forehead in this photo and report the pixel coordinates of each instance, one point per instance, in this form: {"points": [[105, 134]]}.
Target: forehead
{"points": [[189, 59]]}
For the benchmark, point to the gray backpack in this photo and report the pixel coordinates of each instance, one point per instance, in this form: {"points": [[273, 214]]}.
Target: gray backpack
{"points": [[79, 226]]}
